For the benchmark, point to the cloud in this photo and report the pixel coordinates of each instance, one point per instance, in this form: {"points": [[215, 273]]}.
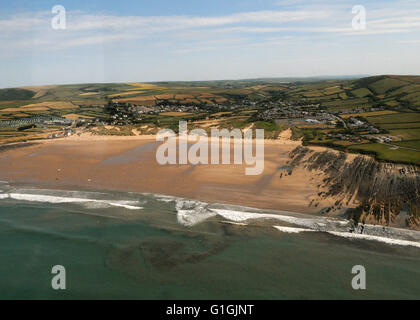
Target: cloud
{"points": [[93, 22], [21, 23], [410, 41], [31, 32]]}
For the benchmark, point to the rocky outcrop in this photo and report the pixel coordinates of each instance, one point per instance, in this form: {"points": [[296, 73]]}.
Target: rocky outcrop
{"points": [[376, 192]]}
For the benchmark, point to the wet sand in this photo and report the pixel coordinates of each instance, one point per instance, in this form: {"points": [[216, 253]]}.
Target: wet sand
{"points": [[129, 164]]}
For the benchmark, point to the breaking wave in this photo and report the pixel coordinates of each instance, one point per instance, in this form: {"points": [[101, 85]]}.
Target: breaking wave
{"points": [[292, 230], [90, 203], [190, 213], [376, 238]]}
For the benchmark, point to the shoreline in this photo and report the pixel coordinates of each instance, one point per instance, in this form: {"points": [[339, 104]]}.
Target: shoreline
{"points": [[129, 164], [191, 212], [284, 138]]}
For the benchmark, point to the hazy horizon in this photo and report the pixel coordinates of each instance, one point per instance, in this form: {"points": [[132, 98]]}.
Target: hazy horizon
{"points": [[316, 77]]}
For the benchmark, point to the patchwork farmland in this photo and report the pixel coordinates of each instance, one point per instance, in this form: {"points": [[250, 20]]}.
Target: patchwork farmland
{"points": [[376, 115]]}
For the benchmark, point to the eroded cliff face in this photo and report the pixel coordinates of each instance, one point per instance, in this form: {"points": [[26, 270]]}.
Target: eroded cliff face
{"points": [[374, 192]]}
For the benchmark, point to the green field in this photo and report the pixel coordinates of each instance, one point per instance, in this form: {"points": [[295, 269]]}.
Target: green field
{"points": [[414, 98], [394, 126], [361, 92], [347, 104], [405, 120], [15, 94], [406, 89], [384, 85], [415, 144], [395, 118], [388, 153], [235, 99], [407, 134]]}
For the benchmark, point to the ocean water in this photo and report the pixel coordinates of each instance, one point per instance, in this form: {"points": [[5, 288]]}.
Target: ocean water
{"points": [[142, 246]]}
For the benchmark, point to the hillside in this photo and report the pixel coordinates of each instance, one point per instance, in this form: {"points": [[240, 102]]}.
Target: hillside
{"points": [[15, 94], [377, 115]]}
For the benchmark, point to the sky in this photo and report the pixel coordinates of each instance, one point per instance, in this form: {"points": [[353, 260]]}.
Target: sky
{"points": [[190, 40]]}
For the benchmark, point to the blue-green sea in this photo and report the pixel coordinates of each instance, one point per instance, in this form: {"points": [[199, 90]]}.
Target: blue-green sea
{"points": [[132, 246]]}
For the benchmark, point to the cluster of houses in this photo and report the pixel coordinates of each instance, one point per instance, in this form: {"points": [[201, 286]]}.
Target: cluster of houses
{"points": [[67, 127], [382, 139], [293, 112], [121, 113], [359, 124], [308, 113], [35, 120], [360, 110], [65, 132]]}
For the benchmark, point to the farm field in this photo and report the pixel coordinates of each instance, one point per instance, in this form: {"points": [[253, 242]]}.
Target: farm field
{"points": [[406, 134], [368, 114], [361, 92], [395, 118], [395, 126], [175, 114], [389, 103], [415, 144], [389, 153]]}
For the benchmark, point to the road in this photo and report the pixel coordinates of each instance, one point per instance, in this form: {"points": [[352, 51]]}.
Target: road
{"points": [[400, 147]]}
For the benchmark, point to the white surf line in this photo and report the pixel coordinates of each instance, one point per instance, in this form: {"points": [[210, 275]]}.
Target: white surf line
{"points": [[375, 238], [235, 223], [312, 224], [190, 213], [167, 198], [318, 224], [47, 192], [241, 216], [293, 230], [57, 200], [129, 207]]}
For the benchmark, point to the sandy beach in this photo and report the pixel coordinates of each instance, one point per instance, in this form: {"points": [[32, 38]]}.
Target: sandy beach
{"points": [[129, 164]]}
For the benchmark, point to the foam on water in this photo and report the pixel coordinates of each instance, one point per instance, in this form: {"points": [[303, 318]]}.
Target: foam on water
{"points": [[292, 230], [240, 216], [93, 203], [125, 204], [190, 213], [4, 186], [376, 238], [335, 227], [163, 198]]}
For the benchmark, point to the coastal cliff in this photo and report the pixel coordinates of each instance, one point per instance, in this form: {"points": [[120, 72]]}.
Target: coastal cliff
{"points": [[375, 192]]}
